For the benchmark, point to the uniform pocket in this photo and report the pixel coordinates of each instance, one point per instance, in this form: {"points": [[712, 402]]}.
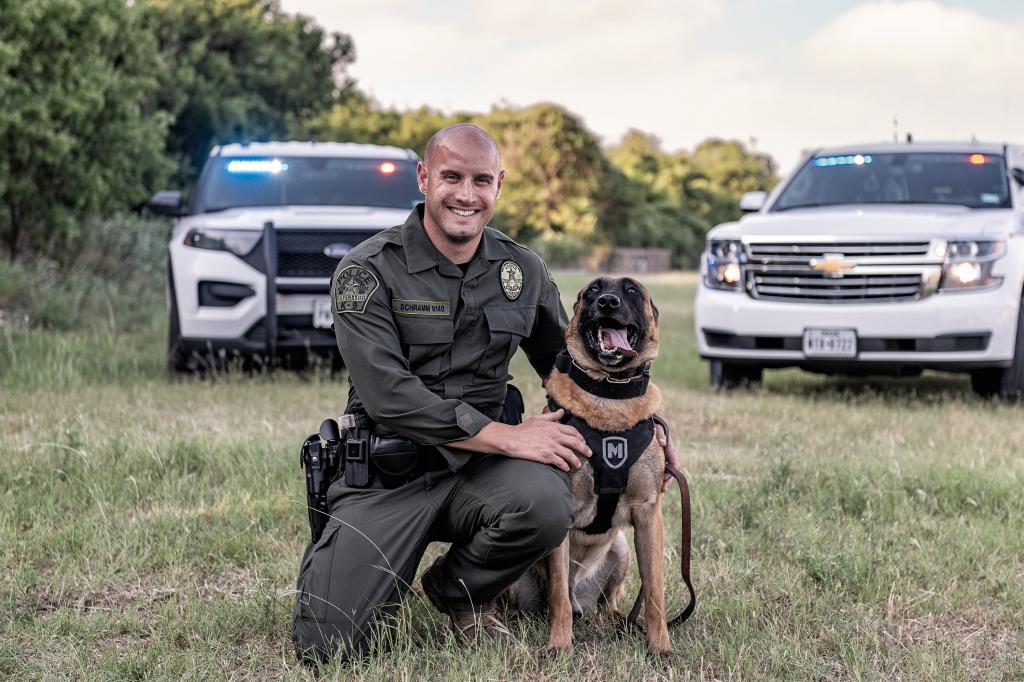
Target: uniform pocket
{"points": [[428, 340], [315, 577], [507, 326]]}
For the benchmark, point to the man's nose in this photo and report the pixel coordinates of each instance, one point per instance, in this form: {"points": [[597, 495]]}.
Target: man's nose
{"points": [[608, 301], [466, 192]]}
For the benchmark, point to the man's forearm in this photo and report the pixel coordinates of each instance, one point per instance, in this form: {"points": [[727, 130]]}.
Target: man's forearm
{"points": [[493, 438]]}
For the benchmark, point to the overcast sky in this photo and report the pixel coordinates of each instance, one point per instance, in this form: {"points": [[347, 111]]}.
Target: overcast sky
{"points": [[791, 74]]}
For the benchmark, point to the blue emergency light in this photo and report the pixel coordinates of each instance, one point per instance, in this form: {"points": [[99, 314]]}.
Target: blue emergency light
{"points": [[257, 166]]}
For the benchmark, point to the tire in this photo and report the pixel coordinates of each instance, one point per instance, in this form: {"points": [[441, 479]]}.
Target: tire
{"points": [[1005, 383], [177, 356], [729, 375]]}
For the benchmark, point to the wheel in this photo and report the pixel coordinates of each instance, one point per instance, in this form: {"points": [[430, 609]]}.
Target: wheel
{"points": [[1005, 383], [728, 375], [177, 356]]}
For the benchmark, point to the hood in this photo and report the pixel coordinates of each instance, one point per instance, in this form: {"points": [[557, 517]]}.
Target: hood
{"points": [[298, 217], [883, 222]]}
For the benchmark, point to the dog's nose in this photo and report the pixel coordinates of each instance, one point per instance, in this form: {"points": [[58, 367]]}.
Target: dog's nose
{"points": [[608, 301]]}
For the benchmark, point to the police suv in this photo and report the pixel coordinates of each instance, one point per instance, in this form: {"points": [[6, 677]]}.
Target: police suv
{"points": [[251, 259], [888, 258]]}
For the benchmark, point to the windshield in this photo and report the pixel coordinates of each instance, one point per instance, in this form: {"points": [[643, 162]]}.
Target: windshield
{"points": [[307, 181], [962, 179]]}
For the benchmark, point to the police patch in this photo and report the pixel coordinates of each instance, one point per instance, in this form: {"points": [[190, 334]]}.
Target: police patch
{"points": [[511, 276], [353, 288], [614, 451]]}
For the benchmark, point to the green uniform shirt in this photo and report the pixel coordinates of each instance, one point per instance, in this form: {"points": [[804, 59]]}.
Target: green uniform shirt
{"points": [[427, 347]]}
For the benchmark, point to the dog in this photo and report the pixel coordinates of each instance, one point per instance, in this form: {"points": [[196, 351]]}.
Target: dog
{"points": [[602, 381]]}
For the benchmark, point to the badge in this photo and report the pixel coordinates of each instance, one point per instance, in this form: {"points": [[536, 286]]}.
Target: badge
{"points": [[353, 288], [511, 276]]}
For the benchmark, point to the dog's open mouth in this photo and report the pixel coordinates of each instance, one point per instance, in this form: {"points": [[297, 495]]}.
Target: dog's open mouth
{"points": [[612, 340]]}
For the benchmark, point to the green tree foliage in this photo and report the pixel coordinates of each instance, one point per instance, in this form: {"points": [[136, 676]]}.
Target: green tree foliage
{"points": [[556, 173], [79, 129], [239, 70], [359, 118], [672, 200]]}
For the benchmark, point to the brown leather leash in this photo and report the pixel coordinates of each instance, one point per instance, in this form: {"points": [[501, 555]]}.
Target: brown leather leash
{"points": [[684, 550]]}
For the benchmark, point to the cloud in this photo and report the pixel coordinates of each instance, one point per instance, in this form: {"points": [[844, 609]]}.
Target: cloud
{"points": [[676, 70], [920, 45]]}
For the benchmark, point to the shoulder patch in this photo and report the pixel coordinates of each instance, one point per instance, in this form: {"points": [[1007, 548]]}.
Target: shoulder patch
{"points": [[352, 289]]}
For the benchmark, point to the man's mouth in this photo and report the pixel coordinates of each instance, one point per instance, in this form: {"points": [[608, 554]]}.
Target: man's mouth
{"points": [[613, 340], [463, 212]]}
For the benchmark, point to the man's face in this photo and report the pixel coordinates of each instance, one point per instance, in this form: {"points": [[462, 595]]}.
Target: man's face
{"points": [[461, 180]]}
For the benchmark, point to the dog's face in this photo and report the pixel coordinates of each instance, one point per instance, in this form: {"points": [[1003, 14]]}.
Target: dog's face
{"points": [[614, 326]]}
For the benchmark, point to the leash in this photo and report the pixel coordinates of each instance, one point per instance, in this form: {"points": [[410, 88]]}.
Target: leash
{"points": [[684, 548]]}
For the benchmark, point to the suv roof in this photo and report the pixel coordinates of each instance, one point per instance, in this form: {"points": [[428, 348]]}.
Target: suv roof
{"points": [[883, 147], [329, 149]]}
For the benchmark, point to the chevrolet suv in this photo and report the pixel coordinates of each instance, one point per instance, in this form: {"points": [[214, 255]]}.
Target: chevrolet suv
{"points": [[251, 259], [890, 258]]}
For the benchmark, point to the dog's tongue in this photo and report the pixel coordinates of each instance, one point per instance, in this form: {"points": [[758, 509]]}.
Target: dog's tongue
{"points": [[616, 338]]}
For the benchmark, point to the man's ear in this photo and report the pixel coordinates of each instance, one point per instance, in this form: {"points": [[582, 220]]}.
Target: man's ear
{"points": [[421, 176]]}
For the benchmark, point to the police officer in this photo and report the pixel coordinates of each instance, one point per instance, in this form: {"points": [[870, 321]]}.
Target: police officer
{"points": [[428, 315]]}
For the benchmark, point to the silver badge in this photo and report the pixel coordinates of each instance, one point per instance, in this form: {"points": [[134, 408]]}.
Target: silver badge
{"points": [[614, 451], [511, 276]]}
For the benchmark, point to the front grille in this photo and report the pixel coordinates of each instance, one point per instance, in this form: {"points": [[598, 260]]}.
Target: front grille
{"points": [[870, 272], [301, 253]]}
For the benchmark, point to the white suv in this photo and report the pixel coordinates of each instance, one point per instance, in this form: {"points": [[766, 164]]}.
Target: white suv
{"points": [[250, 263], [888, 258]]}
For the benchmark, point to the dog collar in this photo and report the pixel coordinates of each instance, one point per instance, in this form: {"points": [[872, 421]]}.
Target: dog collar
{"points": [[632, 385]]}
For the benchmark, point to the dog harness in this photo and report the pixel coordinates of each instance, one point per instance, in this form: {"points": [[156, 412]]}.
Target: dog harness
{"points": [[615, 452]]}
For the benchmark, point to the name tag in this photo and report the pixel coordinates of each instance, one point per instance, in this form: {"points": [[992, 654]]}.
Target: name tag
{"points": [[403, 306]]}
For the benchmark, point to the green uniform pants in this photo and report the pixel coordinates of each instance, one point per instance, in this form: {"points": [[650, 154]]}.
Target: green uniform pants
{"points": [[500, 514]]}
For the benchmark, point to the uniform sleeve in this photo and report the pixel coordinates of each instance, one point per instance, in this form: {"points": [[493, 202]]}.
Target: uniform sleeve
{"points": [[547, 338], [369, 343]]}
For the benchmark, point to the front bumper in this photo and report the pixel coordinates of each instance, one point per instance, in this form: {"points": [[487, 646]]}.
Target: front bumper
{"points": [[944, 331]]}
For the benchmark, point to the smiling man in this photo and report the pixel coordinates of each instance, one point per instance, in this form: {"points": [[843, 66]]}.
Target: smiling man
{"points": [[427, 316]]}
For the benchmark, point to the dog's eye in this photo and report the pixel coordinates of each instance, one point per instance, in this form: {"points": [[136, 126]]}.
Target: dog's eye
{"points": [[632, 290], [593, 289]]}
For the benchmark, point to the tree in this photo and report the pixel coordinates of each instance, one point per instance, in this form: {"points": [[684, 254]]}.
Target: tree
{"points": [[553, 193], [359, 118], [240, 70], [80, 132]]}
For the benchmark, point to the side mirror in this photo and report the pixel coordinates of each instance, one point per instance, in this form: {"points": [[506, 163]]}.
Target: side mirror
{"points": [[166, 203], [752, 201], [1018, 175]]}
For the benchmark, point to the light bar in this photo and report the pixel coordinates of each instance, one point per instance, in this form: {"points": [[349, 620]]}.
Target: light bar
{"points": [[849, 160], [977, 159], [387, 168], [272, 166]]}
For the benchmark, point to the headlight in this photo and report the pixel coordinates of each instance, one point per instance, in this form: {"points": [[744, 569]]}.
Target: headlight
{"points": [[723, 265], [969, 265], [238, 242]]}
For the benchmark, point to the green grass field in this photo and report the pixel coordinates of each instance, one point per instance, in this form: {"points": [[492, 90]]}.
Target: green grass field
{"points": [[843, 529]]}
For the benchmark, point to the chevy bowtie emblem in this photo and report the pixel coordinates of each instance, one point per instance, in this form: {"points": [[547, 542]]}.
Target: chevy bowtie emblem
{"points": [[832, 264]]}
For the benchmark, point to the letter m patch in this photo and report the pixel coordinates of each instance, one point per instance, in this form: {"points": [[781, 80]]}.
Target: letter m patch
{"points": [[614, 451]]}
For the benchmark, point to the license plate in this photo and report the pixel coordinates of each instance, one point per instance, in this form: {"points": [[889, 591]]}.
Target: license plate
{"points": [[830, 343], [322, 318]]}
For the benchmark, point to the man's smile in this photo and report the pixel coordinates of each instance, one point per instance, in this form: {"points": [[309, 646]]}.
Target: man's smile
{"points": [[463, 212]]}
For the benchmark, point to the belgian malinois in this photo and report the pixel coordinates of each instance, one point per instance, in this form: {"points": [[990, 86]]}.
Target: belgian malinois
{"points": [[602, 381]]}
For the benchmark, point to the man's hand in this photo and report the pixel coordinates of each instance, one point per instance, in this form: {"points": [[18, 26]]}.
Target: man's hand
{"points": [[671, 456], [540, 438]]}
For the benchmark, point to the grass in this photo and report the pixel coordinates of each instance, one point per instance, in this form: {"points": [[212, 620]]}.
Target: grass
{"points": [[151, 528]]}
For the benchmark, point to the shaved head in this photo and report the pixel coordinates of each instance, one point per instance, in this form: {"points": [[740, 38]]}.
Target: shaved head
{"points": [[460, 133]]}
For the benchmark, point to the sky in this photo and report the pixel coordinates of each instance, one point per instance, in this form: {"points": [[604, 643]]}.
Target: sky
{"points": [[781, 75]]}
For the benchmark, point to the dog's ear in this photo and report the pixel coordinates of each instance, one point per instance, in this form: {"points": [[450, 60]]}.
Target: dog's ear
{"points": [[579, 299], [654, 309]]}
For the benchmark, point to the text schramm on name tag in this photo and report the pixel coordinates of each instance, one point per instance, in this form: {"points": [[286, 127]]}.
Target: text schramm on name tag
{"points": [[412, 307]]}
